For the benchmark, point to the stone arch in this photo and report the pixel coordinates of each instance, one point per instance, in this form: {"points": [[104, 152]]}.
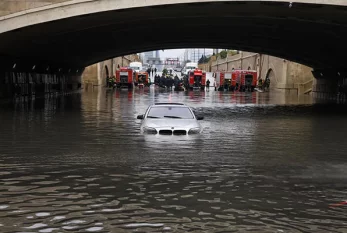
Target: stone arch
{"points": [[100, 16], [51, 10], [271, 75], [105, 75]]}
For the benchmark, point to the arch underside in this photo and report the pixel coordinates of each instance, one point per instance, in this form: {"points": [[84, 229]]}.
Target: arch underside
{"points": [[310, 35], [270, 74]]}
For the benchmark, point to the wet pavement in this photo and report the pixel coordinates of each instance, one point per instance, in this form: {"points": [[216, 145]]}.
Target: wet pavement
{"points": [[265, 162]]}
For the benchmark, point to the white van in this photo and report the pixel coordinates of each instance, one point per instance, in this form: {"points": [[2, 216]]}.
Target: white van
{"points": [[135, 66], [190, 66]]}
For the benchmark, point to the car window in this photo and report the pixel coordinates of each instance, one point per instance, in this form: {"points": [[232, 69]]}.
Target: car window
{"points": [[170, 112]]}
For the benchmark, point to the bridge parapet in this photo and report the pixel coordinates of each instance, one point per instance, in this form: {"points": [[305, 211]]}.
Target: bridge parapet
{"points": [[10, 7]]}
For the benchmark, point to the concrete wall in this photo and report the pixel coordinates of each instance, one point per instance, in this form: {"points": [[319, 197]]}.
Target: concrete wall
{"points": [[299, 73], [207, 66], [284, 74], [90, 76]]}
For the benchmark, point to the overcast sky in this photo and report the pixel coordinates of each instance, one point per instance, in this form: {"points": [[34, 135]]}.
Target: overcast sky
{"points": [[174, 53], [171, 53]]}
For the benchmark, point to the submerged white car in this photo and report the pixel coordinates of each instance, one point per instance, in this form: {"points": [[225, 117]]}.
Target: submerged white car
{"points": [[170, 119]]}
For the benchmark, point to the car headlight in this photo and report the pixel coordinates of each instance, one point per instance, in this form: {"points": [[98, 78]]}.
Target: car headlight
{"points": [[194, 131], [149, 130]]}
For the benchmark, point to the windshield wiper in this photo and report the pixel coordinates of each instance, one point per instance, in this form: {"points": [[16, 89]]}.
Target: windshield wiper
{"points": [[152, 117], [173, 117]]}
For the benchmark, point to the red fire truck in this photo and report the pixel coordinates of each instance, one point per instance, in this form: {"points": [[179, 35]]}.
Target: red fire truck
{"points": [[196, 79], [219, 77], [225, 80], [124, 77], [141, 79], [245, 80]]}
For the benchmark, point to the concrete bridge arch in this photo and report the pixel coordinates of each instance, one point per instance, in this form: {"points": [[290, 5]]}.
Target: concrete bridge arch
{"points": [[70, 35], [274, 75], [17, 14], [271, 75]]}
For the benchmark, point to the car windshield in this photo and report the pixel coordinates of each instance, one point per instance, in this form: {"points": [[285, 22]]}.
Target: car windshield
{"points": [[135, 68], [170, 112]]}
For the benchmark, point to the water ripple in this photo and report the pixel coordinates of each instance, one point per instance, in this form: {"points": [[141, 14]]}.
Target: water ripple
{"points": [[79, 163]]}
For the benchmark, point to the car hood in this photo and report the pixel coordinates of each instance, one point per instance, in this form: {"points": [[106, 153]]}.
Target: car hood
{"points": [[169, 122]]}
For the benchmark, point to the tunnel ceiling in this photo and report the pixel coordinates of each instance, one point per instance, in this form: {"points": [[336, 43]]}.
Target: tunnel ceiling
{"points": [[314, 35]]}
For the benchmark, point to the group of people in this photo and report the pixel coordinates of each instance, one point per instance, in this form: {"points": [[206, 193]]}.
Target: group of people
{"points": [[264, 85], [152, 71], [225, 87], [111, 80], [167, 81]]}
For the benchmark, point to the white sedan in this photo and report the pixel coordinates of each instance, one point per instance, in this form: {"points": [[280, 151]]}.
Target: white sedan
{"points": [[170, 119]]}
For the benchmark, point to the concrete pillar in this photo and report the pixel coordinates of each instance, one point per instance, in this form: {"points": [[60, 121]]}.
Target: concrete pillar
{"points": [[285, 75], [99, 73], [258, 65], [111, 68]]}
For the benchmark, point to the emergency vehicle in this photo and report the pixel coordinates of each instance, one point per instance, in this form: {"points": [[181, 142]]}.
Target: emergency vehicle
{"points": [[219, 78], [136, 66], [196, 79], [190, 66], [225, 80], [125, 77], [245, 80], [141, 79]]}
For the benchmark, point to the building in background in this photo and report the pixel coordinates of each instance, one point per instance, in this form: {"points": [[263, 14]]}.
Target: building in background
{"points": [[150, 55], [147, 55], [194, 55], [172, 62]]}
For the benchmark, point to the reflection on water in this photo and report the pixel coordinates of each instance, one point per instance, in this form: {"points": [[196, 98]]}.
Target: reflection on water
{"points": [[265, 162]]}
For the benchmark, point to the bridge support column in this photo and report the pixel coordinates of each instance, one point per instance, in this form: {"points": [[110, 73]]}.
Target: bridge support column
{"points": [[330, 84]]}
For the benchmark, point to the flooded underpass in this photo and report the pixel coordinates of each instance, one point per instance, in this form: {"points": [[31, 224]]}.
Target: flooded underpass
{"points": [[265, 162]]}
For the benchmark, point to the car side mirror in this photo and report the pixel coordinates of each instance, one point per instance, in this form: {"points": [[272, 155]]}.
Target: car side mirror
{"points": [[199, 118], [140, 117]]}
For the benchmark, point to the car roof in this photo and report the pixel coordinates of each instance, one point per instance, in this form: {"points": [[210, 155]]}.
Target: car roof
{"points": [[169, 104]]}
